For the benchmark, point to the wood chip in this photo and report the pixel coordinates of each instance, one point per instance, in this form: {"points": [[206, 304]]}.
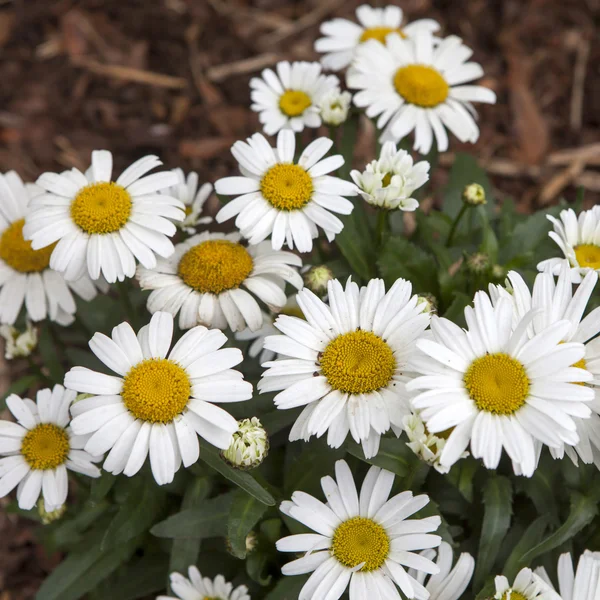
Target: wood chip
{"points": [[583, 54], [559, 182], [206, 148], [241, 67]]}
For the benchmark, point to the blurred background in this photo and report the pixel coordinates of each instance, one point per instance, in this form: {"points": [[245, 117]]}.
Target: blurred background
{"points": [[170, 77]]}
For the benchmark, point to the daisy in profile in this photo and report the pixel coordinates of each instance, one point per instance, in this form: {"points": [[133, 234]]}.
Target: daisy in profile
{"points": [[196, 587], [578, 237], [286, 200], [527, 586], [346, 364], [343, 37], [390, 181], [186, 190], [495, 387], [290, 98], [26, 278], [101, 226], [160, 400], [418, 84], [449, 583], [555, 301], [582, 584], [39, 449], [362, 541], [203, 281]]}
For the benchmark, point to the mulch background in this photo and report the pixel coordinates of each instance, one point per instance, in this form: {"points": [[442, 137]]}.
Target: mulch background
{"points": [[170, 77]]}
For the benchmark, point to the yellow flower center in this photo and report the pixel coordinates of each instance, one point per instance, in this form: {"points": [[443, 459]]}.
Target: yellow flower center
{"points": [[513, 596], [379, 34], [156, 390], [360, 540], [387, 179], [287, 186], [45, 447], [421, 85], [294, 102], [188, 210], [588, 255], [497, 383], [580, 364], [101, 208], [293, 311], [215, 266], [358, 362], [16, 251]]}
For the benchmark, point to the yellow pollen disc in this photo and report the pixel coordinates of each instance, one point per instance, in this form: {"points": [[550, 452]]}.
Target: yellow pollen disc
{"points": [[45, 447], [387, 179], [513, 596], [497, 383], [360, 540], [588, 255], [101, 208], [215, 266], [287, 186], [294, 102], [16, 252], [156, 390], [357, 362], [293, 311], [188, 210], [421, 85], [379, 34], [580, 364]]}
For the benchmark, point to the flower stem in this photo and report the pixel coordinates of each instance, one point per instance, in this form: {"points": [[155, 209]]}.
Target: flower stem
{"points": [[126, 302], [382, 227], [459, 217]]}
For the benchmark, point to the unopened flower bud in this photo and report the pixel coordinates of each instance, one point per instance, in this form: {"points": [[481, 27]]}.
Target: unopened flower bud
{"points": [[335, 106], [249, 446], [50, 517], [498, 272], [317, 278], [474, 194], [19, 344], [478, 263], [430, 302]]}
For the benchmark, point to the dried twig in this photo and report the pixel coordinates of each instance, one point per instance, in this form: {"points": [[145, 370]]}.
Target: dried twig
{"points": [[241, 67], [576, 114], [589, 154], [559, 182]]}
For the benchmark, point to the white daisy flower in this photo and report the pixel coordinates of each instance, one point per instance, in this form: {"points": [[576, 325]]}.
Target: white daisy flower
{"points": [[335, 106], [284, 199], [346, 364], [257, 338], [527, 586], [417, 84], [390, 181], [160, 401], [40, 448], [497, 388], [364, 541], [343, 37], [555, 301], [26, 277], [449, 583], [196, 587], [102, 226], [578, 237], [186, 190], [584, 584], [290, 98], [203, 281]]}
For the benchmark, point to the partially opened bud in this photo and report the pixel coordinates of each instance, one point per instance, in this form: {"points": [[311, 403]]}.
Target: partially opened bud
{"points": [[249, 446]]}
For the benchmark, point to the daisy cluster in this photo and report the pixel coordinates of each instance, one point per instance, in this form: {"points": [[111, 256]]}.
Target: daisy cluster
{"points": [[287, 309]]}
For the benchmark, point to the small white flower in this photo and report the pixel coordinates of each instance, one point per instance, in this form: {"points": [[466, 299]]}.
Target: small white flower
{"points": [[286, 200], [347, 362], [343, 37], [18, 344], [203, 281], [196, 587], [335, 106], [40, 448], [290, 98], [161, 400], [102, 226], [186, 190], [390, 181], [527, 586], [249, 446], [584, 584], [362, 541], [417, 84], [579, 239], [26, 276], [449, 583]]}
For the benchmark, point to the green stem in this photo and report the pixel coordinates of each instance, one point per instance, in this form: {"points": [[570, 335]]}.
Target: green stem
{"points": [[33, 366], [382, 227], [126, 302], [347, 145], [459, 217]]}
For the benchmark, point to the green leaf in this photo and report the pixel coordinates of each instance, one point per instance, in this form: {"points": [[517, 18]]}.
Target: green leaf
{"points": [[456, 310], [276, 420], [287, 588], [487, 593], [19, 387], [530, 538], [242, 479], [541, 489], [394, 455], [245, 513], [50, 354], [497, 499], [583, 510], [207, 520], [489, 244], [101, 486]]}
